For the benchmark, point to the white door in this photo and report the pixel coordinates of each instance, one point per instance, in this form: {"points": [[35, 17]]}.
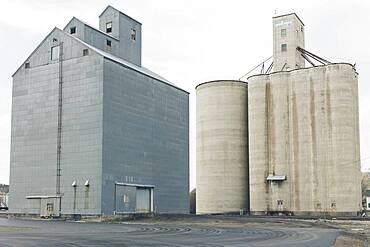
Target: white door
{"points": [[143, 200]]}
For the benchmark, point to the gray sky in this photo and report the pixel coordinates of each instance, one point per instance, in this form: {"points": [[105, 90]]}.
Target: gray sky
{"points": [[192, 41]]}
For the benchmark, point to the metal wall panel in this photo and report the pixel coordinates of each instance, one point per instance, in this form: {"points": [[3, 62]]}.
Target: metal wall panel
{"points": [[142, 200], [146, 138], [125, 199], [34, 128]]}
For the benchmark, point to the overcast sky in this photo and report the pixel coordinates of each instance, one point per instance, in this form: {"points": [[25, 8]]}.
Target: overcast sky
{"points": [[192, 41]]}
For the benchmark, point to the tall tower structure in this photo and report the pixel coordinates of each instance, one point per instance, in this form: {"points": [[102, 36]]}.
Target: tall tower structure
{"points": [[124, 28], [288, 34]]}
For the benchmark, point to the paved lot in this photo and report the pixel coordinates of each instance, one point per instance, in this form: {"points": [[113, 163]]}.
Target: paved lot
{"points": [[142, 233]]}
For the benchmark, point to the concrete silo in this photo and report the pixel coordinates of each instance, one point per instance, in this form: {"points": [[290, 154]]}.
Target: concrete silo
{"points": [[222, 147], [304, 141], [303, 131]]}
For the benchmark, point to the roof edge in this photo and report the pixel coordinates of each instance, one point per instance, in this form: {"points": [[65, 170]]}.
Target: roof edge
{"points": [[326, 65], [158, 79], [128, 65], [34, 50], [91, 26], [289, 14], [110, 6], [207, 82]]}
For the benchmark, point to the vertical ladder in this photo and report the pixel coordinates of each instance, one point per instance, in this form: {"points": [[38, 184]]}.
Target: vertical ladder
{"points": [[59, 133]]}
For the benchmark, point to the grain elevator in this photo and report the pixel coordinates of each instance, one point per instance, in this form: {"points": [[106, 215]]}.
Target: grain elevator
{"points": [[303, 133]]}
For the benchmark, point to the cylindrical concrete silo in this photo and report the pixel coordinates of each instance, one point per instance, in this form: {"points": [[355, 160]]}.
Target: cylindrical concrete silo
{"points": [[222, 147], [304, 141]]}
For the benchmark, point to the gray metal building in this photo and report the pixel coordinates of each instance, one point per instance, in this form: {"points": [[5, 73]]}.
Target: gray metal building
{"points": [[94, 132]]}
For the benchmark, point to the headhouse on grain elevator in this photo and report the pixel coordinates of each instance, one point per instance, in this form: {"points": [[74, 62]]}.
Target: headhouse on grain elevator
{"points": [[93, 131]]}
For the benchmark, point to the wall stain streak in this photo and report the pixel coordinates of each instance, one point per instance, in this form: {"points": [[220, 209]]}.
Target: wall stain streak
{"points": [[330, 157], [314, 167], [295, 150]]}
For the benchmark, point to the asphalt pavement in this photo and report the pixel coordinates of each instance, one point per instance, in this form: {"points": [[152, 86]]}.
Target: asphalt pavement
{"points": [[14, 232]]}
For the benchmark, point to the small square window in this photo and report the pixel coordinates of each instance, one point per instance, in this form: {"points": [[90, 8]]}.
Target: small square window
{"points": [[109, 27], [72, 30], [55, 52], [27, 65], [133, 34], [283, 32], [85, 52], [283, 47], [109, 45], [280, 202]]}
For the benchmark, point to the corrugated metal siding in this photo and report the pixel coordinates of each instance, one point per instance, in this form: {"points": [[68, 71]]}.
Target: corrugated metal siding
{"points": [[146, 140]]}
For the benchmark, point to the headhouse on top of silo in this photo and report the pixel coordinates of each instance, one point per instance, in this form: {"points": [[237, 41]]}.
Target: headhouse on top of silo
{"points": [[93, 131]]}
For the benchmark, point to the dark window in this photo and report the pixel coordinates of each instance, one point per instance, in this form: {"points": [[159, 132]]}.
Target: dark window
{"points": [[133, 34], [283, 47], [109, 27], [72, 30], [85, 52], [280, 202], [283, 32], [27, 65], [109, 45]]}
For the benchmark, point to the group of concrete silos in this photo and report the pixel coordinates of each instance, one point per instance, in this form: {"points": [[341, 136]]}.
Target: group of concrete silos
{"points": [[286, 141]]}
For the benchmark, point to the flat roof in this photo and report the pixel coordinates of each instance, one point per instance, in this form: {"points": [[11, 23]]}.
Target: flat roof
{"points": [[207, 82], [289, 14], [135, 185], [306, 68]]}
